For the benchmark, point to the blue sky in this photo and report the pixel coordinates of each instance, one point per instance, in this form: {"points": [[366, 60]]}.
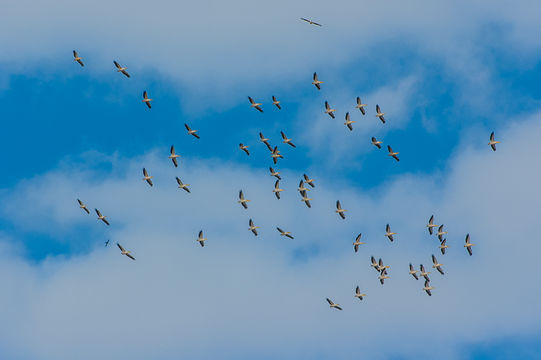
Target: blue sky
{"points": [[445, 74]]}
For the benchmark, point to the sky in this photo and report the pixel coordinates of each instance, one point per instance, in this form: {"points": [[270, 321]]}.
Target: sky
{"points": [[446, 76]]}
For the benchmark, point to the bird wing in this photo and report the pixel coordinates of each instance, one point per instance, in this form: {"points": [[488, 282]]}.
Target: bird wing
{"points": [[145, 95], [357, 290], [315, 77], [98, 212], [277, 184], [75, 54], [467, 238], [492, 136], [431, 220], [358, 237], [130, 256], [145, 173], [330, 301], [116, 64], [258, 108], [327, 105], [362, 111], [469, 250], [283, 135], [415, 276], [440, 270], [175, 162], [127, 75], [434, 259], [251, 100], [280, 230], [179, 181], [187, 127], [338, 206], [200, 236], [241, 195], [378, 110]]}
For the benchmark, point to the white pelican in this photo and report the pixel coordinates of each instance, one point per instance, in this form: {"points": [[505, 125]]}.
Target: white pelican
{"points": [[443, 246], [101, 217], [427, 287], [310, 22], [358, 294], [252, 227], [124, 251], [493, 143], [255, 105], [77, 58], [357, 242], [436, 265], [285, 233], [349, 122], [275, 154], [275, 173], [277, 189], [173, 156], [147, 178], [376, 143], [440, 232], [121, 69], [316, 82], [328, 109], [146, 99], [360, 106], [380, 114], [431, 225], [83, 206], [244, 148], [382, 267], [265, 141], [286, 140], [339, 210], [276, 102], [191, 132], [413, 272], [302, 188], [242, 200], [182, 186], [308, 180], [389, 233], [333, 305], [374, 264], [383, 275], [393, 153], [306, 199], [468, 245], [201, 239], [424, 273]]}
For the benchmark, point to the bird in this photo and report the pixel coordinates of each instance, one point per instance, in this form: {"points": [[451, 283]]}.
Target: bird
{"points": [[191, 132], [277, 189], [275, 154], [493, 143], [357, 242], [388, 232], [265, 141], [468, 244], [424, 273], [147, 178], [380, 114], [443, 246], [77, 58], [349, 122], [360, 106], [285, 233], [339, 210], [125, 252], [201, 239], [310, 22], [358, 294], [301, 188], [275, 173], [383, 275], [253, 228], [328, 109], [244, 148], [182, 186], [316, 82], [83, 206], [436, 265], [427, 287], [173, 156], [306, 199], [381, 267], [308, 180], [107, 243], [393, 153], [431, 225], [333, 305], [374, 263], [146, 99], [276, 102], [121, 69], [413, 272], [255, 105], [286, 140], [101, 217], [242, 200], [440, 232], [376, 143]]}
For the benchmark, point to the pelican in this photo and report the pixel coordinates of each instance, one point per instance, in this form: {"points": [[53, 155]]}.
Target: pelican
{"points": [[311, 23], [328, 109], [83, 206], [244, 148], [124, 251], [374, 264], [191, 132], [201, 239], [376, 143], [440, 232], [265, 141], [431, 225], [427, 287], [277, 189], [393, 153], [493, 143], [286, 140], [468, 245], [147, 178], [101, 217], [252, 227], [382, 267], [436, 265], [424, 273], [349, 122], [308, 180], [173, 156], [358, 294], [302, 188], [413, 272], [255, 105], [388, 232], [306, 199], [285, 233], [276, 102], [333, 305], [182, 186], [380, 114], [357, 242], [77, 58], [146, 100], [443, 246], [316, 82], [242, 200], [121, 69], [275, 154], [275, 173], [383, 275], [360, 106], [339, 210]]}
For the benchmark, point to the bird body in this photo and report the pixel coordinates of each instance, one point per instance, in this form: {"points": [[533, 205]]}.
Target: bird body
{"points": [[310, 22], [83, 206], [431, 225], [308, 180], [357, 242], [339, 210], [242, 200], [146, 99], [173, 156], [427, 288], [333, 305], [285, 233], [436, 265], [121, 69], [413, 272], [376, 143], [125, 252], [349, 122], [277, 189], [360, 106], [358, 294], [316, 82], [492, 142], [201, 239], [77, 58], [329, 110], [101, 217], [191, 132], [182, 186], [255, 105], [275, 173], [380, 114], [146, 177], [389, 233], [392, 153], [468, 245], [244, 148], [276, 102], [286, 140], [252, 227]]}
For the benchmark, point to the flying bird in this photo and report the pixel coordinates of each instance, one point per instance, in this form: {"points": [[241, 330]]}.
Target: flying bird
{"points": [[173, 156], [339, 210], [382, 267], [374, 263], [468, 245], [388, 232], [301, 187], [265, 141], [277, 189], [276, 102], [275, 154], [255, 105], [413, 272], [286, 140], [77, 58], [349, 122], [376, 143], [191, 132], [285, 233], [252, 227], [493, 143], [431, 225], [242, 200], [101, 217], [443, 246], [333, 305], [393, 153], [306, 199], [436, 265], [125, 252], [424, 273], [380, 114], [201, 239], [358, 294], [83, 206], [121, 69], [357, 242], [310, 22], [383, 275], [244, 148], [308, 180], [107, 243], [146, 99], [427, 287], [328, 109], [360, 106], [316, 82], [275, 173], [147, 178], [440, 232], [182, 186]]}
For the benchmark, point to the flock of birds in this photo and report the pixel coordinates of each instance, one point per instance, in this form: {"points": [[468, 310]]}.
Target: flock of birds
{"points": [[382, 270]]}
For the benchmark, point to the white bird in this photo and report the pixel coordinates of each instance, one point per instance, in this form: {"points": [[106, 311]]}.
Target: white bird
{"points": [[182, 186], [392, 153], [173, 156], [383, 276], [285, 233], [275, 173], [376, 143], [358, 294], [252, 227], [265, 141], [431, 225], [310, 22], [333, 305], [349, 122], [275, 154], [306, 199], [121, 69], [301, 187], [242, 200], [374, 263], [493, 143], [424, 273], [286, 140], [147, 178], [328, 109], [244, 148], [191, 132], [277, 189], [339, 210], [83, 206], [413, 272], [201, 239], [443, 246], [389, 233], [380, 114], [276, 102], [255, 105], [125, 252], [101, 217], [360, 105], [357, 242], [316, 82], [382, 267], [427, 287], [436, 265], [468, 245], [308, 180], [146, 99], [77, 58], [440, 232]]}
